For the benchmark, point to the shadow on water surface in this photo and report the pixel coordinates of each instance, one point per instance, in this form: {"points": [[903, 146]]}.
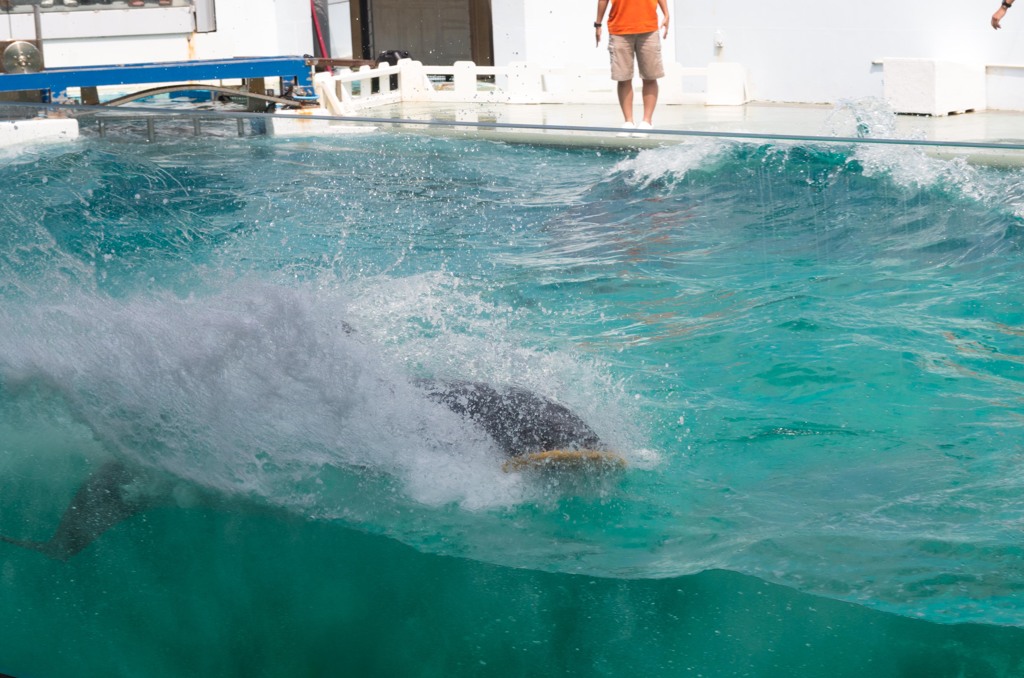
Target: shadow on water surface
{"points": [[209, 593]]}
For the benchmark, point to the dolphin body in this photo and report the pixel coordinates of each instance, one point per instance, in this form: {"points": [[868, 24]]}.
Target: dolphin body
{"points": [[519, 421]]}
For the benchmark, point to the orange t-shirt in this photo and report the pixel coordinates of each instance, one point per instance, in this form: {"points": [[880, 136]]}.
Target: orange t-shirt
{"points": [[633, 16]]}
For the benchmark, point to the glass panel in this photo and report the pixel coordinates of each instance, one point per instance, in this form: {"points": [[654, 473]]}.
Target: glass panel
{"points": [[221, 353]]}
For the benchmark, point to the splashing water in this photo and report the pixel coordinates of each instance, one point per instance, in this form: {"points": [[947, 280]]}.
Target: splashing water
{"points": [[808, 355]]}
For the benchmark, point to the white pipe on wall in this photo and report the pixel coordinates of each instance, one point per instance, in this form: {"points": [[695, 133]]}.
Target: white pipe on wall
{"points": [[206, 15]]}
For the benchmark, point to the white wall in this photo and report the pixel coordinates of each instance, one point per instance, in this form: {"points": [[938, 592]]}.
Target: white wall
{"points": [[551, 31], [509, 19], [257, 28], [795, 50], [813, 51]]}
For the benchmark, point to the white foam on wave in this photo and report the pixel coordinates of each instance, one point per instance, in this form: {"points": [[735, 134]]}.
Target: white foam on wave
{"points": [[672, 163], [907, 165], [434, 325], [251, 390], [256, 389], [912, 166]]}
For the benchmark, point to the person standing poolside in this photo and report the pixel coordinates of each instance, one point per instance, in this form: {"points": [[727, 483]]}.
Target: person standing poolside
{"points": [[633, 33], [1000, 13]]}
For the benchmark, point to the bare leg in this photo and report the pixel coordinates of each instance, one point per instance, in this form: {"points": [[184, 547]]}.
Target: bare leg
{"points": [[650, 97], [625, 90]]}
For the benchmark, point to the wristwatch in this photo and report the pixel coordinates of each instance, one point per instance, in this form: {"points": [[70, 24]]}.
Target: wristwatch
{"points": [[597, 24]]}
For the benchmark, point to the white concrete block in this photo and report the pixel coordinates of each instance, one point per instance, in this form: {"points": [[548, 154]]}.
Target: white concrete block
{"points": [[933, 87], [1004, 88], [727, 84]]}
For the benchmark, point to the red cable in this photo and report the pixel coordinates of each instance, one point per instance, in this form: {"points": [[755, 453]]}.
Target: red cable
{"points": [[319, 35]]}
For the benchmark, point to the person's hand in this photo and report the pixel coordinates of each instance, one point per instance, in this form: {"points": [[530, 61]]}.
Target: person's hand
{"points": [[597, 36], [664, 28], [997, 17]]}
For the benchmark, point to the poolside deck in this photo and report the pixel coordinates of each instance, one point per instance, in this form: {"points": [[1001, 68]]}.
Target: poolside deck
{"points": [[758, 118], [546, 123]]}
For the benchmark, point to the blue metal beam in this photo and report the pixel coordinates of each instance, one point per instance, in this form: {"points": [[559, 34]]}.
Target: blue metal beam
{"points": [[58, 80]]}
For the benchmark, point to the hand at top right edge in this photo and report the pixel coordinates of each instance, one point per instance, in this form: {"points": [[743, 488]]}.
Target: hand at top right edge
{"points": [[997, 17]]}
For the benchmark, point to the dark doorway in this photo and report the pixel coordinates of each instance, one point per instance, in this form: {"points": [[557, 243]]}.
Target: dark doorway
{"points": [[436, 32]]}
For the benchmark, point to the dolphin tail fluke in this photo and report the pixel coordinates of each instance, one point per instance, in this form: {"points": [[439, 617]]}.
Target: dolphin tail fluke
{"points": [[44, 547], [108, 497]]}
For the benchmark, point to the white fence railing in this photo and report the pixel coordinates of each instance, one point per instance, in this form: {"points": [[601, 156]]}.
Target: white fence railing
{"points": [[349, 92]]}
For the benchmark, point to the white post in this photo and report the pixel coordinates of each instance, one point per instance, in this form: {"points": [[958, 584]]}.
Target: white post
{"points": [[413, 84], [465, 79], [366, 84], [326, 89]]}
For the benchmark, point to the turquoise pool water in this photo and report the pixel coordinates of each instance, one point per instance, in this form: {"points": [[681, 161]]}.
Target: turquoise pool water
{"points": [[810, 356]]}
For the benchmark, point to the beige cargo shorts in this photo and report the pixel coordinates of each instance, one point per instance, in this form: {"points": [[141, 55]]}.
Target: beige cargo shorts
{"points": [[647, 49]]}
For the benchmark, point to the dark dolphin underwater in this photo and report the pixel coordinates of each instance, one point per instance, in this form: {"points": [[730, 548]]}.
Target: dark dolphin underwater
{"points": [[808, 357], [521, 423]]}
